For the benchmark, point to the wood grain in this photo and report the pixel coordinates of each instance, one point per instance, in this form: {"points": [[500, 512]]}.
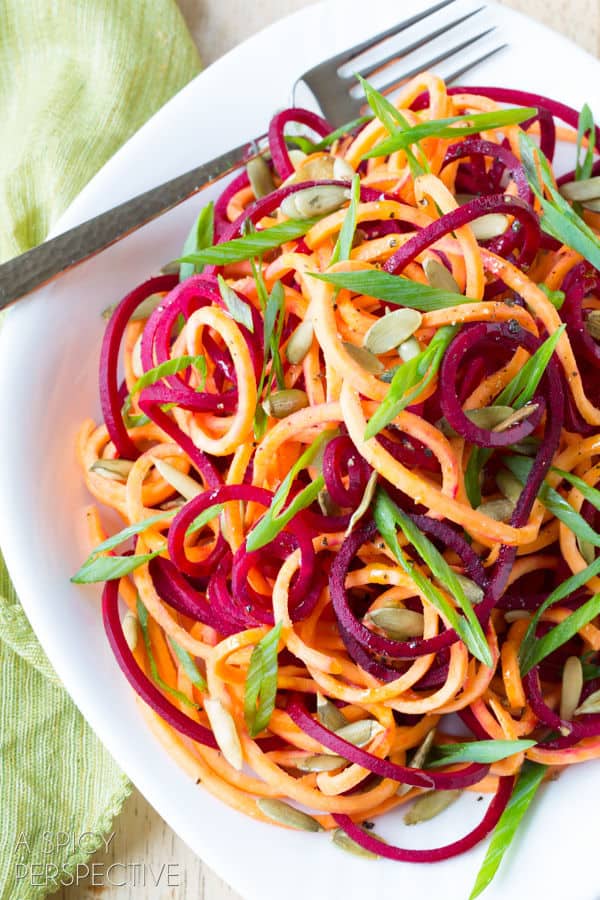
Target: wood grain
{"points": [[141, 836]]}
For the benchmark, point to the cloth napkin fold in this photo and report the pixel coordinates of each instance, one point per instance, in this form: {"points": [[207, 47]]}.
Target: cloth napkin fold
{"points": [[77, 78]]}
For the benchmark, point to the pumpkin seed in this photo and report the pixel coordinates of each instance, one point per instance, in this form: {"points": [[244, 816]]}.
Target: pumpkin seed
{"points": [[517, 416], [365, 502], [510, 486], [177, 503], [287, 815], [472, 591], [297, 157], [572, 684], [283, 403], [360, 733], [114, 469], [489, 417], [513, 615], [498, 510], [439, 276], [319, 169], [300, 342], [147, 306], [329, 714], [587, 550], [364, 358], [490, 226], [136, 358], [342, 840], [429, 805], [183, 484], [342, 170], [327, 506], [392, 330], [399, 624], [589, 706], [592, 205], [260, 177], [225, 732], [314, 201], [409, 349], [586, 189], [418, 760], [592, 324], [130, 630], [321, 762], [170, 268]]}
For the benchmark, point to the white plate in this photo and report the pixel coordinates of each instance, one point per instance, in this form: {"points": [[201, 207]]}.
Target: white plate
{"points": [[48, 360]]}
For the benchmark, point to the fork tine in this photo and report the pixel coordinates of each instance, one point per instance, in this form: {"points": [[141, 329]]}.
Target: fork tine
{"points": [[441, 57], [471, 65], [367, 70], [347, 55]]}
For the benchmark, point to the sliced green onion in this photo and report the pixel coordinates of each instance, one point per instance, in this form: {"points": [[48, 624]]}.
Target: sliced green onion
{"points": [[253, 244], [523, 386], [387, 519], [446, 128], [169, 367], [143, 619], [410, 380], [237, 308], [205, 517], [586, 128], [524, 791], [561, 633], [476, 751], [200, 237], [393, 119], [344, 242], [591, 494], [107, 568], [393, 289], [189, 666], [261, 683]]}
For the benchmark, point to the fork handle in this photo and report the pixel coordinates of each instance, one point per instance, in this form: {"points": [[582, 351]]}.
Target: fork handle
{"points": [[25, 273]]}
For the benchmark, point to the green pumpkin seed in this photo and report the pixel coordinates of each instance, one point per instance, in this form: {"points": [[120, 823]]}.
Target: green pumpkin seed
{"points": [[130, 630], [409, 349], [344, 842], [283, 403], [490, 226], [342, 170], [592, 324], [589, 706], [329, 714], [592, 205], [510, 486], [365, 502], [513, 615], [360, 733], [260, 177], [429, 805], [314, 201], [319, 169], [225, 732], [287, 815], [472, 591], [498, 510], [399, 624], [517, 416], [418, 760], [489, 417], [586, 189], [114, 469], [300, 342], [146, 307], [572, 684], [321, 762], [183, 484], [392, 330], [439, 277], [170, 268], [364, 358]]}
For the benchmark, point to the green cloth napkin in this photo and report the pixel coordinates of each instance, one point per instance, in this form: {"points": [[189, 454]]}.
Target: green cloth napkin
{"points": [[77, 78]]}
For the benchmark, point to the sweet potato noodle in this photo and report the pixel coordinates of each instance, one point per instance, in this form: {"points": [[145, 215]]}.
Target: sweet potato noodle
{"points": [[262, 426]]}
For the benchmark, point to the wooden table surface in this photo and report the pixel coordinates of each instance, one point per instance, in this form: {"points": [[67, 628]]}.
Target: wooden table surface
{"points": [[141, 836]]}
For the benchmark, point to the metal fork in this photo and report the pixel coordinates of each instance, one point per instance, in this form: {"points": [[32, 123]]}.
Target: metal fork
{"points": [[332, 91]]}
